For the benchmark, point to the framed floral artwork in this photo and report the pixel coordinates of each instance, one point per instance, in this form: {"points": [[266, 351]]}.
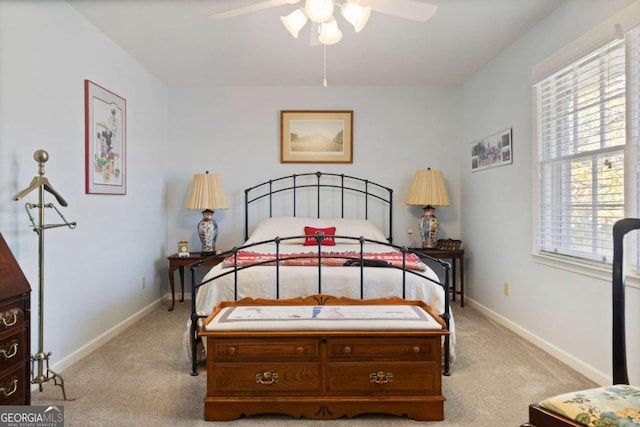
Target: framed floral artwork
{"points": [[105, 141]]}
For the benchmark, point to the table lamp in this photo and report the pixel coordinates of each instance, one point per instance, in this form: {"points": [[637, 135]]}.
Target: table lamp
{"points": [[428, 190], [206, 193]]}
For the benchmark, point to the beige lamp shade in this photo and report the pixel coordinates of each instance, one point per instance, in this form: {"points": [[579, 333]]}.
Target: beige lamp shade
{"points": [[206, 192], [428, 189]]}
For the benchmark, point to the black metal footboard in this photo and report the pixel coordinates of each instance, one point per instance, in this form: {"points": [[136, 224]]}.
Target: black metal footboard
{"points": [[359, 261]]}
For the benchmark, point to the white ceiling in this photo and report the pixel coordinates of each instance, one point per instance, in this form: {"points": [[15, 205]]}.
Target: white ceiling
{"points": [[176, 41]]}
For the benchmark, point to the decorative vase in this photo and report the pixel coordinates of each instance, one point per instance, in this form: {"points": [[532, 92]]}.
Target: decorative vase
{"points": [[208, 232], [429, 228]]}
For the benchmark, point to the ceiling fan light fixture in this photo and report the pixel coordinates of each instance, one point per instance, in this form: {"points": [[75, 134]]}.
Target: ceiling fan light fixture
{"points": [[329, 33], [294, 22], [319, 10], [356, 15]]}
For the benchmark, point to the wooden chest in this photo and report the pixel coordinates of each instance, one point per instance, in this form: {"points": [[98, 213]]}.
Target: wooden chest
{"points": [[329, 371], [15, 355]]}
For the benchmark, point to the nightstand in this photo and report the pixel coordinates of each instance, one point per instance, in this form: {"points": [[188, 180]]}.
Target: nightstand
{"points": [[453, 255], [179, 263]]}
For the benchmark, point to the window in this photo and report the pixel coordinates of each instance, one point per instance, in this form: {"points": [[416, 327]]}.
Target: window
{"points": [[586, 117]]}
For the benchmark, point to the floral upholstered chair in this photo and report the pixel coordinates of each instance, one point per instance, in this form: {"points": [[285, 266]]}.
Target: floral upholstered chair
{"points": [[610, 406]]}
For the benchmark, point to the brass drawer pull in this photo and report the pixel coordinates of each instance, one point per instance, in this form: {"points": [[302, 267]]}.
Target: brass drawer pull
{"points": [[380, 377], [415, 349], [267, 378], [12, 315], [13, 350], [14, 388], [232, 349], [347, 349]]}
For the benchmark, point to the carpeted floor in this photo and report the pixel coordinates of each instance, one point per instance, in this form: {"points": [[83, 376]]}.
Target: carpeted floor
{"points": [[141, 378]]}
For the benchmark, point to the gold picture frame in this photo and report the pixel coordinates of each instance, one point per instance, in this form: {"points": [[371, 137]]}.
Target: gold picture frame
{"points": [[322, 136]]}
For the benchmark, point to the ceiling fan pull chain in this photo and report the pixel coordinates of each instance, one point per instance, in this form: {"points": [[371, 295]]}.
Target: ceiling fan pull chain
{"points": [[324, 81]]}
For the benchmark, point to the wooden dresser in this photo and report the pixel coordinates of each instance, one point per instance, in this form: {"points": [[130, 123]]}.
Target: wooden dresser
{"points": [[325, 372], [15, 354]]}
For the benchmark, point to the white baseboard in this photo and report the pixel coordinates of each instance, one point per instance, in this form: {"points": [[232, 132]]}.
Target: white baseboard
{"points": [[102, 339], [187, 296], [588, 371]]}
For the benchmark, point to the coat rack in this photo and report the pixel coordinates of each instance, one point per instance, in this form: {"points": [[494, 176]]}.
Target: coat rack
{"points": [[40, 183]]}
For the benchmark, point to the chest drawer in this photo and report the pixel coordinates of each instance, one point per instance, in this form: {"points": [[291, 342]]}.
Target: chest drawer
{"points": [[397, 348], [247, 349], [14, 385], [12, 316], [265, 377], [384, 378], [12, 349]]}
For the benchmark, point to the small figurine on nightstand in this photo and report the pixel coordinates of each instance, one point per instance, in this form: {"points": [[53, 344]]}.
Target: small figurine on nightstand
{"points": [[183, 249], [410, 233]]}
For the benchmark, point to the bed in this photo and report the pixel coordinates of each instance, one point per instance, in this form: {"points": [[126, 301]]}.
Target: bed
{"points": [[344, 249]]}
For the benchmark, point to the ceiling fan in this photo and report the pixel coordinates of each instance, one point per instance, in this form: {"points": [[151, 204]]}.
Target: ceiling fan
{"points": [[321, 12]]}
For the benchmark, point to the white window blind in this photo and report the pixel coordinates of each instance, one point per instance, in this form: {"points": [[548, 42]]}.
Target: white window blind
{"points": [[581, 132]]}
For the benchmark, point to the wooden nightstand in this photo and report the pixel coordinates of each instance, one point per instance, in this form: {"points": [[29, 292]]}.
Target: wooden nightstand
{"points": [[179, 263], [453, 255]]}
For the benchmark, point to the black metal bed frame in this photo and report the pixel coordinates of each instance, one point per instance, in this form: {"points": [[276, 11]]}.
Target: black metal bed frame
{"points": [[347, 184], [360, 261]]}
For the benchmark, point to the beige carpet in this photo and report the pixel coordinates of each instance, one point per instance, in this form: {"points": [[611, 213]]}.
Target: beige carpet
{"points": [[141, 378]]}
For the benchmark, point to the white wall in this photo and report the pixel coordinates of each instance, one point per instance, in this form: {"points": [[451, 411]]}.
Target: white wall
{"points": [[569, 313], [236, 133], [93, 274]]}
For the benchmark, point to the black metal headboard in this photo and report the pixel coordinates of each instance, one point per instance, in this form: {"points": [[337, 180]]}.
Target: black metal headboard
{"points": [[304, 182]]}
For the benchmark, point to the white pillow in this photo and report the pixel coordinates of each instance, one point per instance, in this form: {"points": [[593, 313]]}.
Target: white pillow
{"points": [[270, 228]]}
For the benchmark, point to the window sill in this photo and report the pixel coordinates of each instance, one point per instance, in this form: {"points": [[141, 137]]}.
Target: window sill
{"points": [[585, 268]]}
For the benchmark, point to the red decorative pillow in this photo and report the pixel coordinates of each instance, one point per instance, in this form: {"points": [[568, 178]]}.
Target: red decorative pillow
{"points": [[328, 239]]}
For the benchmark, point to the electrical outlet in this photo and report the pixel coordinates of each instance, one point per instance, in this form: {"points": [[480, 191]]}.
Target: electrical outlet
{"points": [[144, 282], [506, 289]]}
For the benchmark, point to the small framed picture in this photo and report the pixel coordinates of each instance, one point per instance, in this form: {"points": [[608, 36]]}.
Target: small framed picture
{"points": [[491, 151]]}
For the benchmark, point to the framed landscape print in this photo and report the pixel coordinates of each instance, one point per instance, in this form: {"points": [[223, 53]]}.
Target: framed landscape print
{"points": [[105, 141], [316, 136]]}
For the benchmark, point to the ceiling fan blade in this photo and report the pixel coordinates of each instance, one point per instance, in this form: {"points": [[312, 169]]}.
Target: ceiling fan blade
{"points": [[408, 9], [250, 8]]}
